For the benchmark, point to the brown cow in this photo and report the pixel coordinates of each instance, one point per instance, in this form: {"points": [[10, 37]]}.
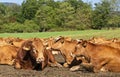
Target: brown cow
{"points": [[17, 42], [110, 42], [33, 55], [8, 54], [99, 40], [66, 46], [48, 42], [26, 56], [101, 57]]}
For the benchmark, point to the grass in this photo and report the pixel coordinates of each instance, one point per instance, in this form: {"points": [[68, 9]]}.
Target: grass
{"points": [[84, 34]]}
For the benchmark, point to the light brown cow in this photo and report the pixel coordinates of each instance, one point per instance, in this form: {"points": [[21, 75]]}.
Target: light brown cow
{"points": [[99, 40], [17, 42], [66, 46], [101, 57], [8, 54], [48, 42], [110, 42]]}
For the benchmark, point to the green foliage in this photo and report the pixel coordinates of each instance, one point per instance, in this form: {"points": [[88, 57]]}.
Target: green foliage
{"points": [[30, 26], [45, 18], [101, 15], [65, 14], [29, 8], [114, 21], [12, 27], [83, 17], [2, 9], [51, 15]]}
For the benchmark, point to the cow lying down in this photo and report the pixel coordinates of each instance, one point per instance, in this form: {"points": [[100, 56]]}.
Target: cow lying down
{"points": [[100, 57], [8, 54], [33, 55]]}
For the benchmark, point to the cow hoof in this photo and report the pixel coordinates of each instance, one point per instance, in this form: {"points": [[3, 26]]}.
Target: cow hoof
{"points": [[103, 70], [96, 70], [17, 66], [55, 65], [11, 62], [59, 65], [65, 65], [74, 68]]}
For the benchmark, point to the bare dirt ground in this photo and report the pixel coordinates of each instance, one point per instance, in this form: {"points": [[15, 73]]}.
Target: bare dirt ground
{"points": [[9, 71]]}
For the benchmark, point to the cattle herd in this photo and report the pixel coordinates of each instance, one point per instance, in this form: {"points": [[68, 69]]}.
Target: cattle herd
{"points": [[96, 54]]}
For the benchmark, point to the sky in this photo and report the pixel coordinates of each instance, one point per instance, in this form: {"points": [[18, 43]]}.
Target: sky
{"points": [[20, 1], [13, 1]]}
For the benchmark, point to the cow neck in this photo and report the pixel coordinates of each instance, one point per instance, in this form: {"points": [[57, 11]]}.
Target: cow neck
{"points": [[89, 50], [29, 58]]}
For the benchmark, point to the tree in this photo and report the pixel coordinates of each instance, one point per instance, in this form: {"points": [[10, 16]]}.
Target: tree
{"points": [[114, 20], [83, 16], [2, 14], [65, 15], [29, 8], [45, 18], [100, 15]]}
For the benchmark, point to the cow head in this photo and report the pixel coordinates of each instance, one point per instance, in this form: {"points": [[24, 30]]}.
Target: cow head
{"points": [[38, 48], [59, 41], [28, 50], [80, 50], [35, 49]]}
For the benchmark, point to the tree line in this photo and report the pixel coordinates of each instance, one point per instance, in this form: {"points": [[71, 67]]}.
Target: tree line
{"points": [[50, 15]]}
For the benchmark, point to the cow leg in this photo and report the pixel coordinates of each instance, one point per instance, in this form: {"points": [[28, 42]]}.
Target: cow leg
{"points": [[44, 64], [52, 62], [68, 61], [17, 64], [87, 66], [11, 62], [7, 61], [66, 65], [75, 68]]}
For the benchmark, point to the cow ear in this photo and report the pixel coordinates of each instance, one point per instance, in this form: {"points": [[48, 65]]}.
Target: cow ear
{"points": [[84, 44], [79, 41], [68, 39], [62, 41], [26, 48]]}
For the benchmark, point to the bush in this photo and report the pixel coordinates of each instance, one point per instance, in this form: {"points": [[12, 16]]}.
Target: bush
{"points": [[28, 26], [12, 28]]}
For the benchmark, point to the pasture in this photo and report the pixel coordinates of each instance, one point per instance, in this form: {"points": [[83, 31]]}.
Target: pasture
{"points": [[84, 34], [9, 71]]}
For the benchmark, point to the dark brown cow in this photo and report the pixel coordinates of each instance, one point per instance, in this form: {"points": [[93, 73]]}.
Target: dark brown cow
{"points": [[33, 55], [8, 54], [101, 57], [26, 56]]}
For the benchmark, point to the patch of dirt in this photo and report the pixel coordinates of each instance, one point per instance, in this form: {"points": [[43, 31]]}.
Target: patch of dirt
{"points": [[9, 71]]}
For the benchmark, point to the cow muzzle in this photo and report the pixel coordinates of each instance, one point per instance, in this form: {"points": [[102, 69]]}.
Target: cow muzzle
{"points": [[39, 60]]}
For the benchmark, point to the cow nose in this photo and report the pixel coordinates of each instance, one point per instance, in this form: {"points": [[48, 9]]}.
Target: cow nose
{"points": [[40, 60]]}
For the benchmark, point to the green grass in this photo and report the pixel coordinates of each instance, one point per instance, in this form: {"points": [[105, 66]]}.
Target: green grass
{"points": [[84, 34]]}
